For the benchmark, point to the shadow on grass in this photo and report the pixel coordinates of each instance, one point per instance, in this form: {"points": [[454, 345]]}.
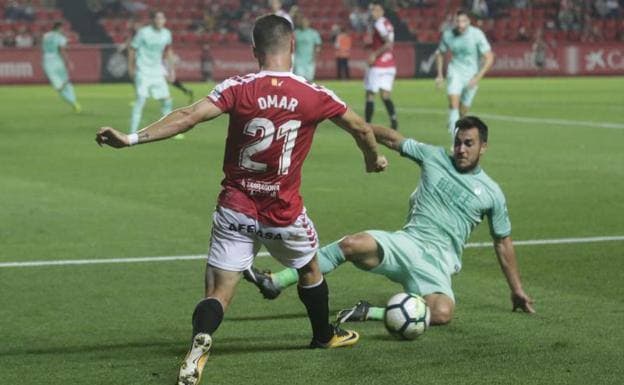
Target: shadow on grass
{"points": [[269, 346], [266, 317], [225, 346], [102, 348]]}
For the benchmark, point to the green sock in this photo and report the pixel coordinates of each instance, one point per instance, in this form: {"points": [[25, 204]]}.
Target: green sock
{"points": [[376, 313], [137, 111], [329, 258], [67, 93], [166, 106], [285, 278]]}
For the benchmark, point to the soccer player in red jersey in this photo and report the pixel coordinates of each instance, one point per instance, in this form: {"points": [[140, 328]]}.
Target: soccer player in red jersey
{"points": [[380, 74], [273, 116]]}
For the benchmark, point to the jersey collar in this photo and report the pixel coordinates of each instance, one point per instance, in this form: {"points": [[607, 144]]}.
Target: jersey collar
{"points": [[475, 170], [275, 73]]}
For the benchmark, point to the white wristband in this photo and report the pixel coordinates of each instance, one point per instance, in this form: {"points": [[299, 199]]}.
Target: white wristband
{"points": [[133, 139]]}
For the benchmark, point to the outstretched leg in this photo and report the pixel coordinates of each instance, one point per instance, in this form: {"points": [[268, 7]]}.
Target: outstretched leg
{"points": [[329, 258], [208, 315], [137, 112], [453, 115], [68, 94]]}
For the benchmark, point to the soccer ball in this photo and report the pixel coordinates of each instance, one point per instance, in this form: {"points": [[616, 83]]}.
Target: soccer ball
{"points": [[407, 316]]}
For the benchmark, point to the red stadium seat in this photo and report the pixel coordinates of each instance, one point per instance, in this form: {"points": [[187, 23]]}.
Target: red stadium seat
{"points": [[231, 37]]}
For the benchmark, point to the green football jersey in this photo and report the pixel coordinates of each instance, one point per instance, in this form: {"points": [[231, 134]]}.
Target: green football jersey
{"points": [[50, 45], [447, 205], [466, 50], [150, 43], [305, 42]]}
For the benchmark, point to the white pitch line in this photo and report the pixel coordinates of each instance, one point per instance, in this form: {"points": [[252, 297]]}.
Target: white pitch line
{"points": [[524, 119], [561, 241], [530, 242]]}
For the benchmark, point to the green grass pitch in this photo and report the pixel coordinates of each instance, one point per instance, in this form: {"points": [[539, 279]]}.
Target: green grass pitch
{"points": [[62, 197]]}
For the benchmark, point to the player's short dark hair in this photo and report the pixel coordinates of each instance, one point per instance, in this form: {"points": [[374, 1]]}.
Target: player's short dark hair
{"points": [[468, 122], [271, 33], [57, 24], [462, 11], [155, 12]]}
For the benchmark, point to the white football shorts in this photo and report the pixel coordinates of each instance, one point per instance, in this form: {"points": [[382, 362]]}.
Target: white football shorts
{"points": [[236, 239], [378, 78]]}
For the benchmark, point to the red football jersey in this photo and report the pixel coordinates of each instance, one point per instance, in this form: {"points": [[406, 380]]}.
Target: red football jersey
{"points": [[273, 116], [382, 32]]}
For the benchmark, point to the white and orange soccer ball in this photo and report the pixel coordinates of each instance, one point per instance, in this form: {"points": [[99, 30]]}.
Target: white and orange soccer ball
{"points": [[407, 316]]}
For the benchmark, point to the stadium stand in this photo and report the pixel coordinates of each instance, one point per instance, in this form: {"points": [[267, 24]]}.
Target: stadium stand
{"points": [[222, 22], [29, 20], [195, 22]]}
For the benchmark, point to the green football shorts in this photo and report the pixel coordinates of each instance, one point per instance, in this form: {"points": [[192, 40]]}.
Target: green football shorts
{"points": [[56, 72], [458, 85], [409, 263]]}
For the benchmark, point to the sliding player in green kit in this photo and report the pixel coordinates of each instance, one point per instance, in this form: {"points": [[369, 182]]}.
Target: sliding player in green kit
{"points": [[453, 196]]}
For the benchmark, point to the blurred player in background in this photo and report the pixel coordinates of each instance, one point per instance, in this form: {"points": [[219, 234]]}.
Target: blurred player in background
{"points": [[55, 64], [307, 46], [467, 45], [170, 62], [278, 10], [539, 50], [382, 68], [145, 67], [273, 117], [342, 45], [453, 196]]}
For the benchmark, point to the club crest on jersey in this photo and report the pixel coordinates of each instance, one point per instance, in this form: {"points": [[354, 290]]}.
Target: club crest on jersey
{"points": [[275, 101], [276, 83]]}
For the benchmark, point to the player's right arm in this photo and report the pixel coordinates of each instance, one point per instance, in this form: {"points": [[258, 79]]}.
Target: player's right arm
{"points": [[135, 43], [178, 121], [364, 137], [388, 137]]}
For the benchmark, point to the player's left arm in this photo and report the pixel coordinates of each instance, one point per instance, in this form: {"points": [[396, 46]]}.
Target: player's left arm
{"points": [[317, 45], [488, 61], [178, 121], [388, 37], [507, 259], [484, 48], [170, 59], [387, 46]]}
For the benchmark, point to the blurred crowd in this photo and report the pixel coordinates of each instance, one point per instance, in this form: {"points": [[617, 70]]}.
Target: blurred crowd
{"points": [[20, 21], [582, 18]]}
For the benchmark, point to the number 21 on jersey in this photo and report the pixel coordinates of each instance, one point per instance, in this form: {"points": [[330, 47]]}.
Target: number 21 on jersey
{"points": [[288, 131]]}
